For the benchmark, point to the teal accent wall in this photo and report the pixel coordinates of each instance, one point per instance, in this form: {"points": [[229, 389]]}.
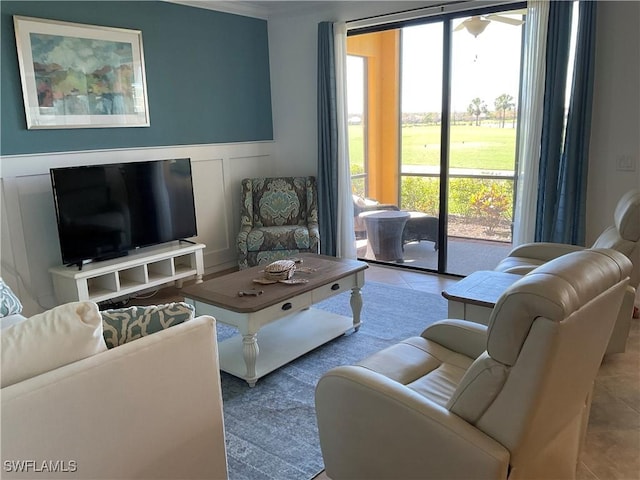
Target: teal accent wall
{"points": [[207, 77]]}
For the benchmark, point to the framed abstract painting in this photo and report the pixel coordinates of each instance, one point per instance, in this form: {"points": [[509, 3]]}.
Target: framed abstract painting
{"points": [[81, 76]]}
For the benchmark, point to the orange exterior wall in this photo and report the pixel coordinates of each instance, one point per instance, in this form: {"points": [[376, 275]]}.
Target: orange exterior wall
{"points": [[382, 50]]}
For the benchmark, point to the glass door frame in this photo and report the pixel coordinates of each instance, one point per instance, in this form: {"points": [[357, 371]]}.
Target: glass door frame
{"points": [[447, 20]]}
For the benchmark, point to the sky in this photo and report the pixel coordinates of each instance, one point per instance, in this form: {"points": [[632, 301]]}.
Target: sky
{"points": [[485, 66]]}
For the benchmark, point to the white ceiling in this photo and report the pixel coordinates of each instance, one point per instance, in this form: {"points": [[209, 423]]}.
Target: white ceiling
{"points": [[257, 8]]}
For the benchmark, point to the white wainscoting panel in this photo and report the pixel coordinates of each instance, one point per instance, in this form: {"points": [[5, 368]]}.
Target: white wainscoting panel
{"points": [[29, 231], [214, 229]]}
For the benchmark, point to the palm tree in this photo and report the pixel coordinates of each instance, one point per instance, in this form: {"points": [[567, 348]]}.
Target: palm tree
{"points": [[476, 108], [503, 103]]}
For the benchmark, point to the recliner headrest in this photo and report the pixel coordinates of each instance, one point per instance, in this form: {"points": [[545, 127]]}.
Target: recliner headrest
{"points": [[554, 291], [627, 216]]}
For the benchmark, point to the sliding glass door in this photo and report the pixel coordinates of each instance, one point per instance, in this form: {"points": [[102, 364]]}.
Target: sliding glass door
{"points": [[485, 79], [421, 150], [439, 144], [357, 119]]}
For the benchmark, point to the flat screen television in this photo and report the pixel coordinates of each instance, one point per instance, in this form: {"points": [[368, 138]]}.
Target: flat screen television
{"points": [[105, 211]]}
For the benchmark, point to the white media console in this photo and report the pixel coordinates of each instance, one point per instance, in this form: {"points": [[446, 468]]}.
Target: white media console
{"points": [[141, 269]]}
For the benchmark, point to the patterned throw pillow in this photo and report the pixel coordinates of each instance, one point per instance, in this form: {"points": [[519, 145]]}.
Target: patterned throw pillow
{"points": [[123, 325], [9, 303]]}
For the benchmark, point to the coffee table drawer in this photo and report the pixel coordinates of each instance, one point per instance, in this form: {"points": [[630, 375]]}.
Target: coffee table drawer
{"points": [[343, 285], [282, 309]]}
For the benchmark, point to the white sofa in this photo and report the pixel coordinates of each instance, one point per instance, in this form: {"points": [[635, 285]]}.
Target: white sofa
{"points": [[150, 408]]}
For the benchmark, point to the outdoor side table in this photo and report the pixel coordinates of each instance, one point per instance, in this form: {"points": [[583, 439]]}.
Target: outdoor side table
{"points": [[384, 234]]}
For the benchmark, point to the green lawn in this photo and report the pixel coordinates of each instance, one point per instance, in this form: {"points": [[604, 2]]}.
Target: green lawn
{"points": [[483, 147]]}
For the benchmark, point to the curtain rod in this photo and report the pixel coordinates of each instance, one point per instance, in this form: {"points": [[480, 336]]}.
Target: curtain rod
{"points": [[439, 9]]}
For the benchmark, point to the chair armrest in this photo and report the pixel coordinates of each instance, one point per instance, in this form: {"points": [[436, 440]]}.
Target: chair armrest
{"points": [[314, 229], [370, 208], [381, 206], [620, 333], [461, 336], [544, 250], [241, 239], [365, 419], [245, 229], [314, 237]]}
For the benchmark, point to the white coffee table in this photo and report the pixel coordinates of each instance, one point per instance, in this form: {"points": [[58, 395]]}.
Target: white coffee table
{"points": [[278, 326]]}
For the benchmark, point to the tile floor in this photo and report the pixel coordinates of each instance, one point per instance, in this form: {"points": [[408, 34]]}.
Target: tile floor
{"points": [[612, 446], [464, 255]]}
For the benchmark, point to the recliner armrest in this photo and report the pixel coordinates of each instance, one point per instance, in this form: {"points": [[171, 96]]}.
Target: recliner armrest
{"points": [[620, 333], [461, 336], [365, 419], [544, 250]]}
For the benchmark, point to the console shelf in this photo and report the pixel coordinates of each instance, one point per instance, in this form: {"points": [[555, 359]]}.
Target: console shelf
{"points": [[142, 269]]}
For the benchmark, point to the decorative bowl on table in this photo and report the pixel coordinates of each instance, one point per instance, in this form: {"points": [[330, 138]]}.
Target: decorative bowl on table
{"points": [[280, 270]]}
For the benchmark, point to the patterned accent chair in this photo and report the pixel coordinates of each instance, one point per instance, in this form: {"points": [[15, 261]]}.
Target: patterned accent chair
{"points": [[279, 218]]}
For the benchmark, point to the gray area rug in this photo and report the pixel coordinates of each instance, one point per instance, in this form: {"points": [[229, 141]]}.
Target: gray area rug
{"points": [[271, 430]]}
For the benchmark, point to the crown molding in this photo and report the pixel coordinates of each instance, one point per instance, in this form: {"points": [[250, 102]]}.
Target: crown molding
{"points": [[228, 6]]}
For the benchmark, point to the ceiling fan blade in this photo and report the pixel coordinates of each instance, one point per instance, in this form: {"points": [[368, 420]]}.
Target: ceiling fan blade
{"points": [[503, 19], [459, 27]]}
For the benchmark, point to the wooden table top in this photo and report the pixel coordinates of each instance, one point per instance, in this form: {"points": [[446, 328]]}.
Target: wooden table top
{"points": [[483, 288], [223, 291]]}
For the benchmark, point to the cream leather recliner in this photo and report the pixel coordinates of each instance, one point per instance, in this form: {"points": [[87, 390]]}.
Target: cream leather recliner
{"points": [[623, 236], [464, 400]]}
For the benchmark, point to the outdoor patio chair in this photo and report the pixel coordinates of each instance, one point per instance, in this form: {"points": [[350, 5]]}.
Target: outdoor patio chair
{"points": [[362, 204], [419, 227]]}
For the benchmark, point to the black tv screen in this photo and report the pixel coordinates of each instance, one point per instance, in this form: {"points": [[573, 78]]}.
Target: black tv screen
{"points": [[104, 211]]}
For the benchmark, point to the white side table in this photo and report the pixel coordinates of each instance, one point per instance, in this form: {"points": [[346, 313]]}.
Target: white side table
{"points": [[474, 297]]}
